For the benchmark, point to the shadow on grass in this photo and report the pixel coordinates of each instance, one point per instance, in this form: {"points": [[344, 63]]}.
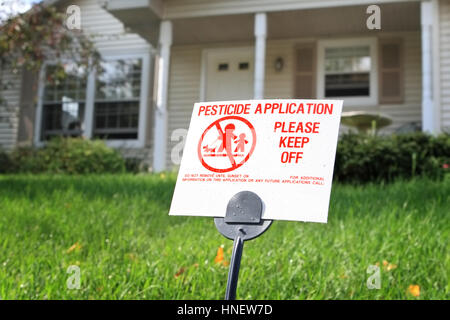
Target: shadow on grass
{"points": [[144, 198], [153, 188]]}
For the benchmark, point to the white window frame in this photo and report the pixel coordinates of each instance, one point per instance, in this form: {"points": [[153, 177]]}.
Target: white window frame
{"points": [[363, 101], [140, 141], [88, 122], [40, 104]]}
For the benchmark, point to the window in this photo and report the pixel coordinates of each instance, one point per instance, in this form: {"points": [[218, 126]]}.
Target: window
{"points": [[347, 70], [117, 97], [110, 103], [63, 104], [223, 67], [243, 65]]}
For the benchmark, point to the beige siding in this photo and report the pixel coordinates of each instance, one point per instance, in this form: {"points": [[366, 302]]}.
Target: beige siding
{"points": [[107, 32], [279, 84], [9, 109], [410, 110], [184, 89], [444, 23], [197, 8]]}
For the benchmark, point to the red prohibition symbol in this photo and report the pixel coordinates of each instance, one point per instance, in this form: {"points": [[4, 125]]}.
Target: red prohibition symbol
{"points": [[226, 144]]}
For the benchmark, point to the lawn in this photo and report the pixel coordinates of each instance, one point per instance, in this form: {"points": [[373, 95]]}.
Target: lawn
{"points": [[116, 229]]}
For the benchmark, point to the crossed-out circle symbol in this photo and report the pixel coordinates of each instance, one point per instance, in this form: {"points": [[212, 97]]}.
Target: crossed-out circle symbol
{"points": [[226, 144]]}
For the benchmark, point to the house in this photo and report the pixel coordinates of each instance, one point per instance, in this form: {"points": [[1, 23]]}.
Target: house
{"points": [[161, 56]]}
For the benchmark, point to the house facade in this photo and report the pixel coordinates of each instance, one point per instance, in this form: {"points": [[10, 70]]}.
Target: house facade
{"points": [[162, 56]]}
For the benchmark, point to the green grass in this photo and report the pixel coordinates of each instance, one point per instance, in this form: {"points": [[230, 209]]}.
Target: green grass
{"points": [[131, 249]]}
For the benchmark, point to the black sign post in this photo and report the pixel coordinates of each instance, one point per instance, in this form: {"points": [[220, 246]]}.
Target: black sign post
{"points": [[242, 222]]}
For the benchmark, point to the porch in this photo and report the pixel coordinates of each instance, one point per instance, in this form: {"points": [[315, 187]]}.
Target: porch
{"points": [[287, 53]]}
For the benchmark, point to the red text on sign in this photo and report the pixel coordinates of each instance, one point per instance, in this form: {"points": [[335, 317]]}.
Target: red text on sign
{"points": [[224, 109], [291, 156], [296, 127], [293, 142]]}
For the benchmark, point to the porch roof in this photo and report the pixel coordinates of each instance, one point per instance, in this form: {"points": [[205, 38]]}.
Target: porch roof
{"points": [[144, 16]]}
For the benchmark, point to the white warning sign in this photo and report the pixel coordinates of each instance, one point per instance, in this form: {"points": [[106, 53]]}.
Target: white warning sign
{"points": [[282, 150]]}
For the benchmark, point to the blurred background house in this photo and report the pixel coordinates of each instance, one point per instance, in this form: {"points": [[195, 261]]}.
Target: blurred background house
{"points": [[162, 56]]}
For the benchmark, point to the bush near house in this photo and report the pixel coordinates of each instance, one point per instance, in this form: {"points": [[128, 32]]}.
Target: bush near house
{"points": [[5, 162], [364, 158], [67, 155], [359, 158]]}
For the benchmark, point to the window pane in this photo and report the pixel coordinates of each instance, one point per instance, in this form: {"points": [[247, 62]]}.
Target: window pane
{"points": [[118, 89], [116, 119], [347, 71], [222, 67], [68, 81], [120, 79], [63, 101], [62, 119], [347, 85], [347, 59]]}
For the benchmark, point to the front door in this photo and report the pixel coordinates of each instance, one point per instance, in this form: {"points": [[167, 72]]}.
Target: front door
{"points": [[229, 74]]}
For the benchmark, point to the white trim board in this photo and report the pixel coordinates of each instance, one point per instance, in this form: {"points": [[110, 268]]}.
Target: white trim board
{"points": [[217, 8]]}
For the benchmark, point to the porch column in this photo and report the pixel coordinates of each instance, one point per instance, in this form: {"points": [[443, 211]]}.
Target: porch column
{"points": [[162, 78], [426, 20], [260, 54]]}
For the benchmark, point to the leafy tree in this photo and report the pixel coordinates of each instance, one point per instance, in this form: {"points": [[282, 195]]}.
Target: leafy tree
{"points": [[37, 35]]}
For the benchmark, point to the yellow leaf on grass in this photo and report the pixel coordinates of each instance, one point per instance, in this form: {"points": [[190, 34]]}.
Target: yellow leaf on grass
{"points": [[75, 247], [414, 290], [219, 256], [388, 266], [179, 272], [391, 266]]}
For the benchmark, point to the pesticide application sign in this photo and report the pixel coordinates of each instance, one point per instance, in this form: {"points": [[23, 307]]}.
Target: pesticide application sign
{"points": [[282, 150]]}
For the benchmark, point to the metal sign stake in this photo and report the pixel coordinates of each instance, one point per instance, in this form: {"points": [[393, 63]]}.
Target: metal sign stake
{"points": [[242, 222]]}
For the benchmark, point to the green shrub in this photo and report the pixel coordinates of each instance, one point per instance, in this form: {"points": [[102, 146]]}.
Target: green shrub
{"points": [[5, 162], [363, 158], [135, 165], [69, 155], [26, 160], [359, 158]]}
